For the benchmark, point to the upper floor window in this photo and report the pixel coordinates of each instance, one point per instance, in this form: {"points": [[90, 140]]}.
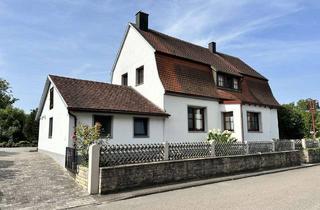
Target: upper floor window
{"points": [[228, 121], [105, 122], [253, 121], [139, 75], [195, 119], [50, 127], [51, 98], [228, 81], [140, 127], [124, 79]]}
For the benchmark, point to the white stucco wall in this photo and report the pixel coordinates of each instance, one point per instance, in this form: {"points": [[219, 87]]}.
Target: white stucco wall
{"points": [[136, 52], [269, 124], [176, 126], [122, 128], [236, 109], [60, 134]]}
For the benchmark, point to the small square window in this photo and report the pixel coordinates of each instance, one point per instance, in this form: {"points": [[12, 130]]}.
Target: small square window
{"points": [[51, 98], [140, 127], [124, 79], [195, 119], [105, 122], [253, 121], [50, 127], [139, 75]]}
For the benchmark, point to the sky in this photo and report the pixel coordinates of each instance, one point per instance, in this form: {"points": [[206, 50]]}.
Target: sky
{"points": [[80, 39]]}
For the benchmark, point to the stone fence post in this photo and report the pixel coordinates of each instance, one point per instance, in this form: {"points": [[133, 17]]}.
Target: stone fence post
{"points": [[304, 144], [166, 150], [212, 149], [293, 144], [94, 169], [273, 145]]}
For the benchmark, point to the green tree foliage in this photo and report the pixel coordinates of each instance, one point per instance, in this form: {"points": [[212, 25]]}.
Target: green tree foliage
{"points": [[295, 121], [31, 127], [11, 125], [6, 98], [290, 120]]}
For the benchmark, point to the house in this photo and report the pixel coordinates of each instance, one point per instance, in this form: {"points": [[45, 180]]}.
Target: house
{"points": [[163, 89]]}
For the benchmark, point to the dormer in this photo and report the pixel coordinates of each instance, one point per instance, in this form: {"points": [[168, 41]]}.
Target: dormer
{"points": [[228, 81]]}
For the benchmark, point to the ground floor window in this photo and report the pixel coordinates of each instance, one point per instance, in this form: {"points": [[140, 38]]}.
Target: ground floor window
{"points": [[195, 119], [140, 127], [253, 121], [228, 121], [50, 127], [105, 122]]}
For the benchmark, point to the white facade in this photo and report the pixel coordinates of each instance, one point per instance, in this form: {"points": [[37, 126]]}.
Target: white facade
{"points": [[137, 52], [122, 128], [56, 145], [268, 124], [176, 126]]}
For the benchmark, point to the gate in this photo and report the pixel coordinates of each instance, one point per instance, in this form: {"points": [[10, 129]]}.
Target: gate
{"points": [[71, 159]]}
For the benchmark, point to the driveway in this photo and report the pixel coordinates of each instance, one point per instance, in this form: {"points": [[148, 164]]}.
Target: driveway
{"points": [[33, 180], [295, 189]]}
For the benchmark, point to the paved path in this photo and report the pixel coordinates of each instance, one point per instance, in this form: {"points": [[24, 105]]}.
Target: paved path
{"points": [[295, 189], [34, 181]]}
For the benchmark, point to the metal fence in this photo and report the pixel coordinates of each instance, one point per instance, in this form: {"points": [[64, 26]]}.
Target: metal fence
{"points": [[112, 155]]}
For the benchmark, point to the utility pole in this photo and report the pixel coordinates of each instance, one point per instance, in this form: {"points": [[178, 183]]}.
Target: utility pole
{"points": [[313, 105]]}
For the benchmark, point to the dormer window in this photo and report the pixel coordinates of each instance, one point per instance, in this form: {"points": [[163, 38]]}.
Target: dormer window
{"points": [[228, 81]]}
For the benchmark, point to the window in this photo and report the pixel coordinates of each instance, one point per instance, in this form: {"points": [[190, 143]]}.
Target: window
{"points": [[124, 79], [235, 83], [139, 76], [228, 81], [51, 98], [105, 122], [220, 80], [50, 127], [140, 127], [228, 121], [253, 121], [195, 119]]}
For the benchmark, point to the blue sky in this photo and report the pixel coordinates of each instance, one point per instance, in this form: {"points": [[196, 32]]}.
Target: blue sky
{"points": [[80, 38]]}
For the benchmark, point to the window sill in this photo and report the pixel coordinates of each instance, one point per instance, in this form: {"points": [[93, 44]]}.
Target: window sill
{"points": [[230, 89], [140, 137], [197, 131], [139, 84], [255, 132]]}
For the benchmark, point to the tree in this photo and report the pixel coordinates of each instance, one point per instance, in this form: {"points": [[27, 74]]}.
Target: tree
{"points": [[31, 126], [291, 122], [11, 124], [6, 97]]}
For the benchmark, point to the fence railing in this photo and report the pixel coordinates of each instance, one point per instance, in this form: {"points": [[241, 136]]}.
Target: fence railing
{"points": [[112, 155]]}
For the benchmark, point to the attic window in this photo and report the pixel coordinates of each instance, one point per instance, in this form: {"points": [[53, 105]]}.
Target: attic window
{"points": [[51, 98], [124, 79], [139, 75], [228, 81]]}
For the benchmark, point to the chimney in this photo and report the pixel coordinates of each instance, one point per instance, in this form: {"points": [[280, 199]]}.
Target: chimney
{"points": [[142, 20], [212, 47]]}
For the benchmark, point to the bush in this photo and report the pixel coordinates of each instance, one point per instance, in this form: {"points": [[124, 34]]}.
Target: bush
{"points": [[23, 144], [216, 135], [84, 137]]}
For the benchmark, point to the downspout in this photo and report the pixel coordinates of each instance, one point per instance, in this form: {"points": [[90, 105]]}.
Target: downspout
{"points": [[74, 123]]}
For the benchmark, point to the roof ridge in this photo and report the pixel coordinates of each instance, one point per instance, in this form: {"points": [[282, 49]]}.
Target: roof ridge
{"points": [[86, 80], [172, 37]]}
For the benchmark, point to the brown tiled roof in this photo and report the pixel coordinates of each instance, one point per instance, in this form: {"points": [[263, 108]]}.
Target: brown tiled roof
{"points": [[173, 46], [84, 95], [185, 77], [185, 68]]}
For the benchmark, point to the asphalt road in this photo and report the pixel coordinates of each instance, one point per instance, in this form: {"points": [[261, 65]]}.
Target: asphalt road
{"points": [[295, 189]]}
